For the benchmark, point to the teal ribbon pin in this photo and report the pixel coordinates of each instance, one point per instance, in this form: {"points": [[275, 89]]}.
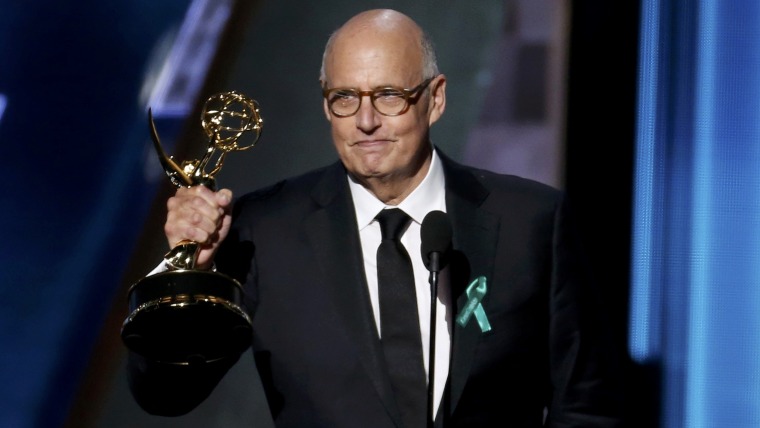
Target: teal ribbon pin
{"points": [[475, 293]]}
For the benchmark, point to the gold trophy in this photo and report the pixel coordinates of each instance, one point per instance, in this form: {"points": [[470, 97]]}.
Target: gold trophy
{"points": [[185, 315]]}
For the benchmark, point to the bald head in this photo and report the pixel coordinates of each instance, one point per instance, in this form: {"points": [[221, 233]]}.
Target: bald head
{"points": [[384, 26]]}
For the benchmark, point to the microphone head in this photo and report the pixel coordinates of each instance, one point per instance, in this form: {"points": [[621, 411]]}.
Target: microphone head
{"points": [[435, 234]]}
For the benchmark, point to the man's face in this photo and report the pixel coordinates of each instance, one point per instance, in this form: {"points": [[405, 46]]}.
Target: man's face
{"points": [[371, 145]]}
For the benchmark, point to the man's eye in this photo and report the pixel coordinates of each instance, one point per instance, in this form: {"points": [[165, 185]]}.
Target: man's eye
{"points": [[343, 96], [388, 94]]}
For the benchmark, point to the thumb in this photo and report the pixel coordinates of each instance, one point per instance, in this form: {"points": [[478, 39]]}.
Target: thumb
{"points": [[224, 197]]}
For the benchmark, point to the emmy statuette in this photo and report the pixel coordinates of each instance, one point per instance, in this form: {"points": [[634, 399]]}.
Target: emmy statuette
{"points": [[185, 315]]}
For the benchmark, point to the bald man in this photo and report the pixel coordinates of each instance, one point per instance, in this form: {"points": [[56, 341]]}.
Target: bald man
{"points": [[519, 338]]}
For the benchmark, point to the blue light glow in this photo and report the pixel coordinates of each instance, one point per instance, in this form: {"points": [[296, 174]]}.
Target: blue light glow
{"points": [[183, 72], [3, 104], [696, 252]]}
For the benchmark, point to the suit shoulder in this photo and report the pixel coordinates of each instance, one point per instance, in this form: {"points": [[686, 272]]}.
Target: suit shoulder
{"points": [[288, 187], [508, 181], [509, 186]]}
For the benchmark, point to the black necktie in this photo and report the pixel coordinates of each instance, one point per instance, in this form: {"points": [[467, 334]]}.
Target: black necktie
{"points": [[399, 321]]}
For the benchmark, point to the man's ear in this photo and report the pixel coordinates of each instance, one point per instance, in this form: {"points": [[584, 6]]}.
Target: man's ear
{"points": [[328, 116], [437, 103], [322, 84]]}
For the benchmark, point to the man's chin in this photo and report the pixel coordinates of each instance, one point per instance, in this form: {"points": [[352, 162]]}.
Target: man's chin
{"points": [[369, 166], [365, 175]]}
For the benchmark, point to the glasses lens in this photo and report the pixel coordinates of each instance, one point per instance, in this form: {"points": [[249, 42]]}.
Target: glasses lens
{"points": [[343, 102], [389, 101]]}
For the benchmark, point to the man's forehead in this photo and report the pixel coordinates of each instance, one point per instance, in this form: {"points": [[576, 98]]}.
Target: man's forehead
{"points": [[373, 66], [379, 80]]}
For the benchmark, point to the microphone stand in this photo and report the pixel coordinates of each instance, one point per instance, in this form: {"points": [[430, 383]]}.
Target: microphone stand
{"points": [[431, 354], [435, 234]]}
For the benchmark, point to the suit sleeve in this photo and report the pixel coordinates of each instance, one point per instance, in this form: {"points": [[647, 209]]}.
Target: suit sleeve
{"points": [[586, 366], [171, 389]]}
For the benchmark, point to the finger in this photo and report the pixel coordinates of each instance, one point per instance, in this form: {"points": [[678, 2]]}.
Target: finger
{"points": [[189, 202], [224, 197], [193, 214]]}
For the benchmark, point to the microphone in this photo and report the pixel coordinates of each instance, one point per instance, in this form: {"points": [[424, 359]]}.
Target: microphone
{"points": [[435, 234]]}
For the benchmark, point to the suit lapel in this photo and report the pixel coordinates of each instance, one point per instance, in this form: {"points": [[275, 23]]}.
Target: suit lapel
{"points": [[334, 239], [474, 241]]}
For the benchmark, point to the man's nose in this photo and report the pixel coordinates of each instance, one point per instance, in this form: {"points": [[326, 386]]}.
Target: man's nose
{"points": [[367, 117]]}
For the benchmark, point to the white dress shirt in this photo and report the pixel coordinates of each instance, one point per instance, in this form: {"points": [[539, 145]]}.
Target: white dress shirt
{"points": [[428, 196]]}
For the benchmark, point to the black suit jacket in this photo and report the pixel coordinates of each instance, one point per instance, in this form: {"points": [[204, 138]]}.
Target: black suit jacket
{"points": [[296, 248]]}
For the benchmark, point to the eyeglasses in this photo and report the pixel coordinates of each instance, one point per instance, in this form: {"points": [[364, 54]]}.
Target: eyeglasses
{"points": [[388, 101]]}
